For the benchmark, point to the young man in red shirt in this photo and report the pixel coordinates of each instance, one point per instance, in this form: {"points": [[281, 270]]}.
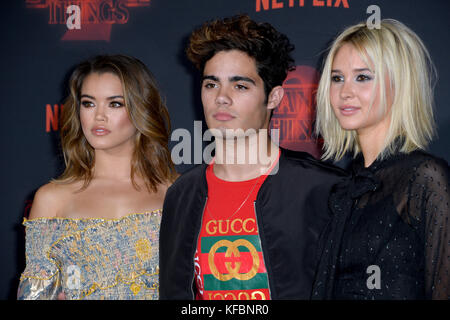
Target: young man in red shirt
{"points": [[237, 228]]}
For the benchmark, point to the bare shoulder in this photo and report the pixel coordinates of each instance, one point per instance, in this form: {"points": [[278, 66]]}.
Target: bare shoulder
{"points": [[49, 199]]}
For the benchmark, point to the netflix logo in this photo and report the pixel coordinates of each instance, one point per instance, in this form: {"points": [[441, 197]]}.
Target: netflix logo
{"points": [[52, 117], [280, 4]]}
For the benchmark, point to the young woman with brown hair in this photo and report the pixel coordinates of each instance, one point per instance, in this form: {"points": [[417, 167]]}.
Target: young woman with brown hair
{"points": [[93, 232]]}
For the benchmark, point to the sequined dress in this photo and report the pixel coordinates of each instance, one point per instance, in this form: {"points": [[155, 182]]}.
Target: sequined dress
{"points": [[389, 237], [92, 258]]}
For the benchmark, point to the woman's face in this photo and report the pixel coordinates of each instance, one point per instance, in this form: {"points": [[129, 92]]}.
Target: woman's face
{"points": [[104, 118], [355, 98]]}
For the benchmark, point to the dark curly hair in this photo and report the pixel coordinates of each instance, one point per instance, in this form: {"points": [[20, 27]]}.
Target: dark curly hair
{"points": [[270, 48]]}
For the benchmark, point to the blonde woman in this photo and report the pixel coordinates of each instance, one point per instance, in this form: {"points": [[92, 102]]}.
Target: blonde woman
{"points": [[389, 236], [93, 232]]}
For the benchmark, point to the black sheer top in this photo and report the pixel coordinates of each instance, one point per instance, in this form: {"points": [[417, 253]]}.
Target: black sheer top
{"points": [[389, 234]]}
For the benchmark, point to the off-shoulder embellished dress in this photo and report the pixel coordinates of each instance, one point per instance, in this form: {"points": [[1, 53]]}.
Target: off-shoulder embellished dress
{"points": [[92, 258], [389, 237]]}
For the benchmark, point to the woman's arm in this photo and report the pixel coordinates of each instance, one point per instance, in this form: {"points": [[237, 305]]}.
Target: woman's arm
{"points": [[40, 279], [431, 193]]}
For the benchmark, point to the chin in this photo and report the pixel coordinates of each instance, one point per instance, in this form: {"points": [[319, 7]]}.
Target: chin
{"points": [[227, 133], [101, 145], [220, 127], [98, 146], [349, 125]]}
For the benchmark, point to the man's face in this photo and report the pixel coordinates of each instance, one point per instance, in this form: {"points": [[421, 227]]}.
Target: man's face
{"points": [[233, 94]]}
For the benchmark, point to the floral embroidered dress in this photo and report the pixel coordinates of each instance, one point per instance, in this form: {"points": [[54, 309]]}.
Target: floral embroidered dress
{"points": [[92, 258]]}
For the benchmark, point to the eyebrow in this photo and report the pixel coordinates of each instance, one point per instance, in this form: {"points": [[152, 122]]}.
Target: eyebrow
{"points": [[213, 78], [231, 79], [241, 78], [357, 70], [109, 98]]}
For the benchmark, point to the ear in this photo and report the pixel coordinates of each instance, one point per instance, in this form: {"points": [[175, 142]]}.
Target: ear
{"points": [[275, 97]]}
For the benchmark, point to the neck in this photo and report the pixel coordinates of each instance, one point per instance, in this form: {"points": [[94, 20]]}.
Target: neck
{"points": [[115, 166], [244, 158], [371, 143]]}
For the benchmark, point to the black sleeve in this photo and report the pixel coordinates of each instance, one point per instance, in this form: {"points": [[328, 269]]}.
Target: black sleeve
{"points": [[180, 223], [169, 260], [429, 200]]}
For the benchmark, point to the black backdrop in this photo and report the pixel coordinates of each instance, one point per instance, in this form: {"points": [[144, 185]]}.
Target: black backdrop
{"points": [[38, 53]]}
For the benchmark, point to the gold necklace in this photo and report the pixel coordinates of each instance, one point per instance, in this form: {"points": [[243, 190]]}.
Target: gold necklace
{"points": [[243, 202]]}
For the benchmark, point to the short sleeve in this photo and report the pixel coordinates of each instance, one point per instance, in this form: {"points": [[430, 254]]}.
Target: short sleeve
{"points": [[40, 280], [430, 203]]}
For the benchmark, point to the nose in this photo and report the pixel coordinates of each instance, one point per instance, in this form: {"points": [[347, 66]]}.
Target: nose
{"points": [[346, 90], [100, 112], [223, 98]]}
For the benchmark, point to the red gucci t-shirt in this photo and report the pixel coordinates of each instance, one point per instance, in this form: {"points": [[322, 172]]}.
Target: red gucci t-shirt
{"points": [[229, 263]]}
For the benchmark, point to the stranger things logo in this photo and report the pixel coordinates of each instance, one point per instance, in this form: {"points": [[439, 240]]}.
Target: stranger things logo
{"points": [[96, 16], [295, 115]]}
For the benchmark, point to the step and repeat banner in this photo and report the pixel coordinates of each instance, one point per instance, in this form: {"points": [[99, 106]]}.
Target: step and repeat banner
{"points": [[43, 40]]}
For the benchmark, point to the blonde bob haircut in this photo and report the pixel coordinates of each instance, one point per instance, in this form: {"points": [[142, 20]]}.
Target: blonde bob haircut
{"points": [[397, 52], [151, 158]]}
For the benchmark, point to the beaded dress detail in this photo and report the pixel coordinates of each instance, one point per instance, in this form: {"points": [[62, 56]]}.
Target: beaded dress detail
{"points": [[92, 258]]}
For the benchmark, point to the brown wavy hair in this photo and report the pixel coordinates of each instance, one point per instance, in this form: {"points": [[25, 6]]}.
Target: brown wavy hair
{"points": [[146, 109], [261, 41]]}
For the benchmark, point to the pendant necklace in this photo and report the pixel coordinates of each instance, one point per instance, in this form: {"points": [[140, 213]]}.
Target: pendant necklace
{"points": [[242, 204]]}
